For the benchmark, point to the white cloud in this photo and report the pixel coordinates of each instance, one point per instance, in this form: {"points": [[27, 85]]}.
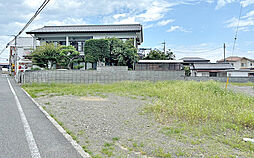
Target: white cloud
{"points": [[165, 22], [117, 16], [3, 41], [250, 52], [222, 3], [67, 21], [33, 3], [246, 3], [245, 22], [160, 23], [144, 12], [177, 28], [129, 20], [156, 11], [249, 14]]}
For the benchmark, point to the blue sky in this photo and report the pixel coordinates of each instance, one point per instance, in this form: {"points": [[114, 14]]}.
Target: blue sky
{"points": [[189, 27]]}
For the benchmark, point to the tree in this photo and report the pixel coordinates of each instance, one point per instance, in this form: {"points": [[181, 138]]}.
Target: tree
{"points": [[156, 54], [48, 54], [170, 55], [96, 50], [122, 53], [68, 56], [187, 71], [45, 56]]}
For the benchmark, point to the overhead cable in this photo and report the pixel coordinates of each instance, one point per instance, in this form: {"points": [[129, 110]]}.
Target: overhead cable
{"points": [[27, 24]]}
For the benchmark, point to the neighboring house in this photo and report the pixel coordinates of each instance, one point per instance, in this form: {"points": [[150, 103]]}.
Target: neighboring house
{"points": [[4, 65], [159, 65], [24, 47], [143, 52], [210, 69], [189, 61], [240, 73], [239, 62], [76, 35]]}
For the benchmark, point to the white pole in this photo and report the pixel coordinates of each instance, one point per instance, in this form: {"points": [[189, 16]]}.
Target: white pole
{"points": [[67, 40]]}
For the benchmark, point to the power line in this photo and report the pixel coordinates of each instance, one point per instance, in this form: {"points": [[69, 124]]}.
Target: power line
{"points": [[237, 29], [28, 23], [35, 15]]}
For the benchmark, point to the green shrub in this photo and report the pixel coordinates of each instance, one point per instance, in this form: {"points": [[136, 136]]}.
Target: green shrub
{"points": [[96, 50], [78, 67]]}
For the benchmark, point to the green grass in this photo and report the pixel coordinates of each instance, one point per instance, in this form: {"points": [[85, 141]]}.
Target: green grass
{"points": [[200, 114], [194, 102], [108, 149]]}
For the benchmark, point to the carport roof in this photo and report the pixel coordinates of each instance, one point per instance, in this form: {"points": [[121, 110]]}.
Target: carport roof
{"points": [[213, 66]]}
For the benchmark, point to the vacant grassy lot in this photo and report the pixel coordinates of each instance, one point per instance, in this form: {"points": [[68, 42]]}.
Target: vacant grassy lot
{"points": [[209, 119]]}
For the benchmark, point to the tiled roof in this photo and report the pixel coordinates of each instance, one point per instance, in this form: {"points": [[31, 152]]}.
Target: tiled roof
{"points": [[234, 58], [159, 61], [88, 28], [213, 66], [194, 59]]}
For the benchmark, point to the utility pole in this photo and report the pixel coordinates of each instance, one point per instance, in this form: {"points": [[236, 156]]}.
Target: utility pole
{"points": [[27, 24], [164, 43], [16, 55], [224, 46]]}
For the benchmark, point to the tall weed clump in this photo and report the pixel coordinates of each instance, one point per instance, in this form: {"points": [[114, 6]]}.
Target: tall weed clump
{"points": [[197, 102]]}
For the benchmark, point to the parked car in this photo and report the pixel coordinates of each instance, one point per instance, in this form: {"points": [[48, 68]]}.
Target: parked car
{"points": [[5, 70]]}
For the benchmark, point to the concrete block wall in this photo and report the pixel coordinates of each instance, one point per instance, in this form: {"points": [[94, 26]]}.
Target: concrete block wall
{"points": [[222, 79], [93, 76], [112, 68]]}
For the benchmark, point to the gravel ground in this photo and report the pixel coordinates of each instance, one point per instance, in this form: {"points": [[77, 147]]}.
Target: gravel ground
{"points": [[249, 90], [111, 126]]}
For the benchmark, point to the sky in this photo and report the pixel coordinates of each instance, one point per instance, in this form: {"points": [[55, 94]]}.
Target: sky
{"points": [[190, 28]]}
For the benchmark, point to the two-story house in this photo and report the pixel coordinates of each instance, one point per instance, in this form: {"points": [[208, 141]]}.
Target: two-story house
{"points": [[239, 62]]}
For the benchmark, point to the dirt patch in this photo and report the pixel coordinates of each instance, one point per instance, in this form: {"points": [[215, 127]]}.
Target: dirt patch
{"points": [[115, 126], [93, 99], [242, 89]]}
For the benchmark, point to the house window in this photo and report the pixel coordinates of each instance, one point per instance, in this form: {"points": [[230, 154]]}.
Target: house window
{"points": [[213, 74], [80, 46], [242, 64], [63, 43], [232, 64], [250, 64]]}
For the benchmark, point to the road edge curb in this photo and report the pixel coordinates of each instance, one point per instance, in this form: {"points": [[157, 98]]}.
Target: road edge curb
{"points": [[76, 146]]}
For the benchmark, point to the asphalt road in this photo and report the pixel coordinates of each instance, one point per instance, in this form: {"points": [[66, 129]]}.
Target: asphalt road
{"points": [[16, 140]]}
